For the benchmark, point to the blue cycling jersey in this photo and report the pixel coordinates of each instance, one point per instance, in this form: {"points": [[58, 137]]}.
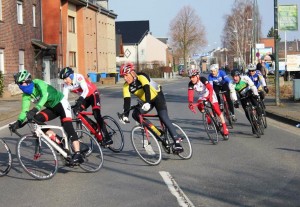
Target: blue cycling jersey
{"points": [[256, 78], [220, 79]]}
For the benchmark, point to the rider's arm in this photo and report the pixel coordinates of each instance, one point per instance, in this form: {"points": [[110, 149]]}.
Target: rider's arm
{"points": [[127, 99], [225, 77], [210, 79], [251, 85], [233, 95], [25, 107], [145, 81], [262, 80], [42, 88], [66, 91], [208, 86], [190, 92], [83, 85]]}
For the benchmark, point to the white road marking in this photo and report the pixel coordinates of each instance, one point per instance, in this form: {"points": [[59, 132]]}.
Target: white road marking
{"points": [[174, 188]]}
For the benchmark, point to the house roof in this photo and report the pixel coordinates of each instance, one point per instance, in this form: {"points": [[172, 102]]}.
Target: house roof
{"points": [[132, 31]]}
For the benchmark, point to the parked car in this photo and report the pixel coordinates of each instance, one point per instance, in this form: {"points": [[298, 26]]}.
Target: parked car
{"points": [[181, 69]]}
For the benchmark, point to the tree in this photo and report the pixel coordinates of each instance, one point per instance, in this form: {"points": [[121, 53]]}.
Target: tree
{"points": [[187, 33], [241, 31], [271, 33]]}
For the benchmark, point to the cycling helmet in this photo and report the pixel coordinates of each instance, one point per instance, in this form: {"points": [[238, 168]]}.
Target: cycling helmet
{"points": [[251, 67], [126, 68], [65, 72], [22, 76], [235, 72], [214, 67], [193, 72]]}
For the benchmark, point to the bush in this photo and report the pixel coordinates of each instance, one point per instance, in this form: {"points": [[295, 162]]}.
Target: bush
{"points": [[1, 83], [153, 73]]}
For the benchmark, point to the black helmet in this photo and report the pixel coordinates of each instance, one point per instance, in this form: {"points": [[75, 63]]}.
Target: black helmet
{"points": [[22, 76], [65, 72], [235, 72]]}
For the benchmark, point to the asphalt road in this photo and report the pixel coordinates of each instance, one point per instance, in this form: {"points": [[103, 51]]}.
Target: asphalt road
{"points": [[243, 171]]}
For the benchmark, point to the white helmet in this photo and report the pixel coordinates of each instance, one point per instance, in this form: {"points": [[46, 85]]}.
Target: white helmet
{"points": [[214, 67], [251, 67]]}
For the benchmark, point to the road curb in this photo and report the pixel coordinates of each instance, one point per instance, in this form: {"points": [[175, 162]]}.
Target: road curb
{"points": [[281, 118]]}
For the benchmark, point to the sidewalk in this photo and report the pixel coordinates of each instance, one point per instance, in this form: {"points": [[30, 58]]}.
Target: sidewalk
{"points": [[288, 112]]}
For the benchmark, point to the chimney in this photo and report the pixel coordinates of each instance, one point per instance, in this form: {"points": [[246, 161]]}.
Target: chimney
{"points": [[103, 3]]}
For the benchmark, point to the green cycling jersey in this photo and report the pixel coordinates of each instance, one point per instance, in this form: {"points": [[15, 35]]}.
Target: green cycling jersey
{"points": [[43, 95]]}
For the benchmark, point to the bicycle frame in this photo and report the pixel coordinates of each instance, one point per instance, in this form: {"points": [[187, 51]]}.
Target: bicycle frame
{"points": [[97, 133], [147, 127]]}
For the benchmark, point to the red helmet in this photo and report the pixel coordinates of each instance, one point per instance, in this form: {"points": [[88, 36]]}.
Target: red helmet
{"points": [[126, 68]]}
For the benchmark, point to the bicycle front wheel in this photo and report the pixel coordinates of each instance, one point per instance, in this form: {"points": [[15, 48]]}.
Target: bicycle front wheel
{"points": [[253, 122], [5, 158], [264, 114], [227, 116], [91, 151], [185, 143], [146, 145], [115, 132], [37, 157], [210, 127]]}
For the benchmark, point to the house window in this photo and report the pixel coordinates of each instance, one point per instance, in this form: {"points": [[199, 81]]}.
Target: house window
{"points": [[33, 16], [0, 10], [2, 60], [21, 60], [71, 23], [72, 59], [20, 12]]}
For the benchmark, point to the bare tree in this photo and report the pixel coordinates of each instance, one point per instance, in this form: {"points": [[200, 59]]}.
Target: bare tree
{"points": [[239, 30], [187, 33]]}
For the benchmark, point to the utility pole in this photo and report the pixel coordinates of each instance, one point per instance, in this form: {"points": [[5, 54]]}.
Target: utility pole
{"points": [[277, 90]]}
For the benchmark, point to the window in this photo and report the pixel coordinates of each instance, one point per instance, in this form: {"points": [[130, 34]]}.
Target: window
{"points": [[72, 59], [33, 16], [20, 12], [0, 10], [21, 60], [71, 23], [2, 59]]}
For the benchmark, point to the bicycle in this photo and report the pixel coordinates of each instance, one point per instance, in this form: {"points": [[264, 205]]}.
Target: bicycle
{"points": [[146, 136], [83, 121], [225, 109], [5, 158], [255, 120], [262, 107], [36, 152], [212, 123]]}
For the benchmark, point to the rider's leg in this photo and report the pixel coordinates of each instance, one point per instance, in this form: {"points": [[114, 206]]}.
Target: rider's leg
{"points": [[216, 108]]}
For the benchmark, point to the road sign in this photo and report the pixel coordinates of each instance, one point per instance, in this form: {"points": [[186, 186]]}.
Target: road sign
{"points": [[257, 54]]}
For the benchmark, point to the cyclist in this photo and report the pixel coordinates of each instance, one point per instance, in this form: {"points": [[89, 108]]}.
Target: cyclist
{"points": [[244, 86], [44, 95], [258, 80], [205, 92], [221, 82], [88, 96], [150, 93]]}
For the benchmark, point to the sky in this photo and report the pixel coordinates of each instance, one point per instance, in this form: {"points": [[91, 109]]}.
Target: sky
{"points": [[211, 12]]}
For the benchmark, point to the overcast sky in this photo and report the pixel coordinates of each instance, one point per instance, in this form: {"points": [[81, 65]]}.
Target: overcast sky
{"points": [[211, 12]]}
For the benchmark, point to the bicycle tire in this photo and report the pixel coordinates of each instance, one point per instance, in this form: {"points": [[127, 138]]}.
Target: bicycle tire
{"points": [[185, 143], [147, 149], [116, 134], [93, 158], [5, 158], [252, 122], [227, 115], [264, 114], [41, 166], [210, 128]]}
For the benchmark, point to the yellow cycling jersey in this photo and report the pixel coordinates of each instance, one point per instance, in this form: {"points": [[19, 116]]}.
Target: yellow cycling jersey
{"points": [[136, 87]]}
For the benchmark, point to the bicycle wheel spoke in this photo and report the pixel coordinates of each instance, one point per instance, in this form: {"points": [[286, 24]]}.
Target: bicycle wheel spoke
{"points": [[5, 158], [210, 128], [146, 146], [92, 152], [38, 159], [185, 143], [115, 132]]}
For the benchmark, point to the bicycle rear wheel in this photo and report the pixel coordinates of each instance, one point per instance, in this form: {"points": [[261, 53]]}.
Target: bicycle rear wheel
{"points": [[37, 157], [227, 116], [5, 158], [146, 145], [91, 151], [210, 127], [185, 143], [115, 132]]}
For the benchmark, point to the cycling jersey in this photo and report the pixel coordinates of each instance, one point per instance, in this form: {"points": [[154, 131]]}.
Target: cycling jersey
{"points": [[244, 85], [220, 79], [43, 95], [143, 87], [80, 86], [258, 79], [202, 88]]}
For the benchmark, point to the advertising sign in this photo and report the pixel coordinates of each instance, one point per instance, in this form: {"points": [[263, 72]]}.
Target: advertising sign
{"points": [[293, 63], [288, 17]]}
